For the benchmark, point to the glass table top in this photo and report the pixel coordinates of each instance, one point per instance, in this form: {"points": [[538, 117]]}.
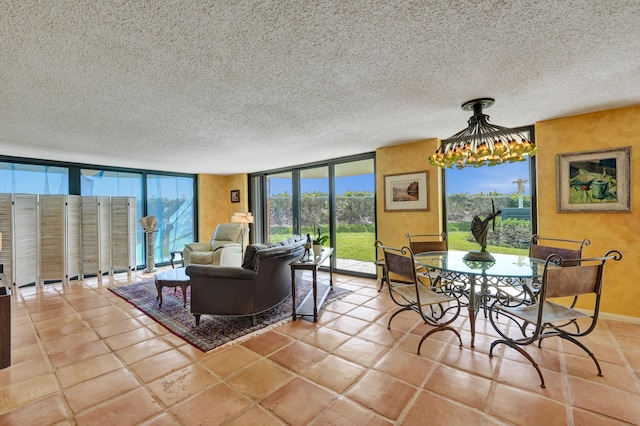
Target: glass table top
{"points": [[505, 265]]}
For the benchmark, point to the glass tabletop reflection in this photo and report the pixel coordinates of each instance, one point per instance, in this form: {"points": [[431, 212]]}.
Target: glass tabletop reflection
{"points": [[504, 265]]}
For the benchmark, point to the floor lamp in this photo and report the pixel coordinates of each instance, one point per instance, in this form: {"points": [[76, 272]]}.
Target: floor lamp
{"points": [[244, 219]]}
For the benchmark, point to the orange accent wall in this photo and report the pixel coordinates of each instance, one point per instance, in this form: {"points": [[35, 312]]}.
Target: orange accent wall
{"points": [[408, 158], [619, 230], [214, 201]]}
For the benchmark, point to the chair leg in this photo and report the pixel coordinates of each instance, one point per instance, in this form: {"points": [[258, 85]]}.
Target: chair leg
{"points": [[523, 352], [383, 279], [584, 348], [430, 332], [406, 308]]}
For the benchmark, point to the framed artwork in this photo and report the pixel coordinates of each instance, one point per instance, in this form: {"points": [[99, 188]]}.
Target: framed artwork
{"points": [[595, 181], [235, 196], [406, 192]]}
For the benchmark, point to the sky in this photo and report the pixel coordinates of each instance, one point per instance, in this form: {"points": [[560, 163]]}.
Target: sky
{"points": [[469, 180]]}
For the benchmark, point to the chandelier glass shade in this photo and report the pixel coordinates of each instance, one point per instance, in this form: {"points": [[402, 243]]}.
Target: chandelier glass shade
{"points": [[482, 143]]}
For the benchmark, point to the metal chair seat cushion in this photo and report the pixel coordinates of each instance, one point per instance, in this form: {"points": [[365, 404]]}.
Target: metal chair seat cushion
{"points": [[426, 295], [551, 313]]}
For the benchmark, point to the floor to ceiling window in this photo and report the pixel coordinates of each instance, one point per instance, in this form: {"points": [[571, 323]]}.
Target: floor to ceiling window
{"points": [[171, 197], [337, 197], [476, 191], [16, 178], [170, 200], [111, 183]]}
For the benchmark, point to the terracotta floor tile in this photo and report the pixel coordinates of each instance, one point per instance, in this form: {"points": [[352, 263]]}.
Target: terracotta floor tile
{"points": [[605, 400], [118, 327], [54, 323], [87, 369], [526, 408], [27, 391], [523, 375], [145, 349], [18, 372], [46, 411], [380, 334], [297, 328], [460, 386], [612, 375], [129, 338], [298, 402], [471, 361], [365, 313], [357, 298], [621, 327], [628, 342], [211, 407], [93, 391], [325, 338], [429, 409], [160, 365], [230, 360], [363, 352], [70, 341], [267, 343], [340, 306], [587, 418], [128, 409], [298, 356], [348, 325], [334, 373], [345, 412], [163, 419], [382, 393], [412, 369], [259, 379], [255, 416], [78, 353], [181, 384], [25, 353]]}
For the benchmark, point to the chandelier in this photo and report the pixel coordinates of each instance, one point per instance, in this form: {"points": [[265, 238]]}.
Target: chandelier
{"points": [[482, 143]]}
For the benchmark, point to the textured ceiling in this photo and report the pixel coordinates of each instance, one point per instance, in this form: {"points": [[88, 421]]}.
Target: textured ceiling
{"points": [[241, 86]]}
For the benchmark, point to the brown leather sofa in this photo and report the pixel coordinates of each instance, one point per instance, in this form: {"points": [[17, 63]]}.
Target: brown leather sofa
{"points": [[262, 282]]}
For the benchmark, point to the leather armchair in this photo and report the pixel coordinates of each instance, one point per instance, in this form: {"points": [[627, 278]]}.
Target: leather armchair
{"points": [[224, 248]]}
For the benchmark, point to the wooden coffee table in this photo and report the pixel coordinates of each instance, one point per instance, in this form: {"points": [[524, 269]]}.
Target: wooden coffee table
{"points": [[173, 278]]}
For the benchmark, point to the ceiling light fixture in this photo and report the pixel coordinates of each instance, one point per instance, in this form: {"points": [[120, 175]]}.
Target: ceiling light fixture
{"points": [[482, 143]]}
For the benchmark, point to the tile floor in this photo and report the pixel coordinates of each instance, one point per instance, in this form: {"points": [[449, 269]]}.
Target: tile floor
{"points": [[81, 355]]}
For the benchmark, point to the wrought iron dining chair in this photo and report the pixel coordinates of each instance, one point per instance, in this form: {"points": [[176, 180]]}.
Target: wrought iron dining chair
{"points": [[567, 249], [423, 243], [436, 309], [547, 318]]}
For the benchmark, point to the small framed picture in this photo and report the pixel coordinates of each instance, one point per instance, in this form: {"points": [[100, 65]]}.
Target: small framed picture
{"points": [[235, 196], [406, 192]]}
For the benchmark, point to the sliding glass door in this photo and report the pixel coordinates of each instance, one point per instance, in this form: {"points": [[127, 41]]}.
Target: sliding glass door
{"points": [[337, 197]]}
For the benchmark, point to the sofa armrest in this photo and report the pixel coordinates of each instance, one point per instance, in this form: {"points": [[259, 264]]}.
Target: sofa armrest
{"points": [[228, 272], [199, 246], [227, 255]]}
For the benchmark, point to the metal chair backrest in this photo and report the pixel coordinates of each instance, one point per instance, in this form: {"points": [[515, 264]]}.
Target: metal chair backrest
{"points": [[422, 243], [568, 254], [400, 263]]}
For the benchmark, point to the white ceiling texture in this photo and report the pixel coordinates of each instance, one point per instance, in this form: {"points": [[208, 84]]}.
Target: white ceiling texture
{"points": [[224, 87]]}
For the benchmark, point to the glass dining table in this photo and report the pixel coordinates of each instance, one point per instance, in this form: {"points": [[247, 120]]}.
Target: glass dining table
{"points": [[508, 275]]}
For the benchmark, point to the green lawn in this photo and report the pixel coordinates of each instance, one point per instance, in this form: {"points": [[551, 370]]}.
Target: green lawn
{"points": [[360, 245]]}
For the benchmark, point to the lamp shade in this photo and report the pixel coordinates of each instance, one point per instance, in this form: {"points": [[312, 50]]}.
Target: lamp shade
{"points": [[242, 217]]}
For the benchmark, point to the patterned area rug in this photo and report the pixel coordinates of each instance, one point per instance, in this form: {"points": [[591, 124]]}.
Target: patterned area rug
{"points": [[213, 331]]}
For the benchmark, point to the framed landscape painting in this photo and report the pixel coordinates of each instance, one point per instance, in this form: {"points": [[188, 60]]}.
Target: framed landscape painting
{"points": [[595, 181], [406, 192]]}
